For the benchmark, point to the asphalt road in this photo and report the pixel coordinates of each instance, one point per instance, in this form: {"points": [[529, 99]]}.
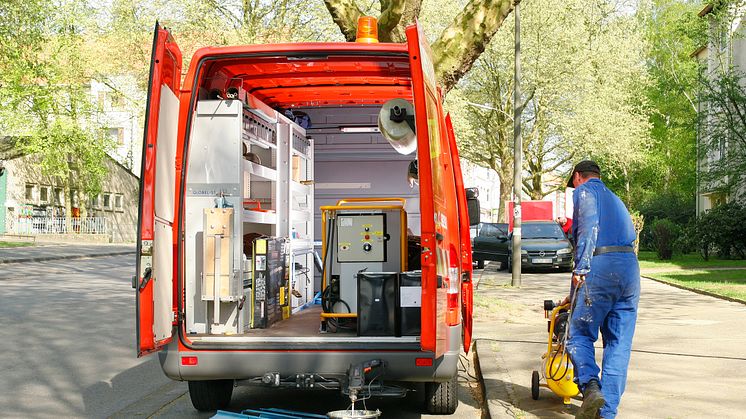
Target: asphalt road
{"points": [[68, 350], [67, 339]]}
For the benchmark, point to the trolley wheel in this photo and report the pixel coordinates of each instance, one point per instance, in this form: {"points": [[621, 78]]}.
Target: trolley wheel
{"points": [[535, 385]]}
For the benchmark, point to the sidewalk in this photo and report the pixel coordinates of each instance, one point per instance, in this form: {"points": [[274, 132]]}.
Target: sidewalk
{"points": [[62, 251], [688, 358]]}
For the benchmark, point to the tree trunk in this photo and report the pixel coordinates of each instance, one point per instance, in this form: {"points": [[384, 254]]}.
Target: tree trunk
{"points": [[68, 209], [454, 51], [505, 175]]}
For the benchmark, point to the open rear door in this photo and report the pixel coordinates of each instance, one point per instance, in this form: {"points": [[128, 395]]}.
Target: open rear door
{"points": [[154, 283], [437, 202], [467, 302]]}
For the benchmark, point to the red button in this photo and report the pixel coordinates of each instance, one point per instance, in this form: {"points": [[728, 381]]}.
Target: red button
{"points": [[367, 237]]}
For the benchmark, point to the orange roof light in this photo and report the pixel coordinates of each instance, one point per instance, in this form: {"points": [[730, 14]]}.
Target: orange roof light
{"points": [[367, 30]]}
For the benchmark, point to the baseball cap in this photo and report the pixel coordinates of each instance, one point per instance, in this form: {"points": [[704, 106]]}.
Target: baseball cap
{"points": [[584, 166]]}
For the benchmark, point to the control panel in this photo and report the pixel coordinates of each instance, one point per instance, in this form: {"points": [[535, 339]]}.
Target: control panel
{"points": [[361, 238]]}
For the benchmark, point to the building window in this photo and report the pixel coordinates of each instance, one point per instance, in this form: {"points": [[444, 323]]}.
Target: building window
{"points": [[119, 202], [44, 194], [59, 196], [107, 201], [95, 202], [117, 100], [116, 135], [29, 192]]}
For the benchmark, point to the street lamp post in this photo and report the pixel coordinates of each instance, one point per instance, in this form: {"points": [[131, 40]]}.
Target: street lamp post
{"points": [[518, 150]]}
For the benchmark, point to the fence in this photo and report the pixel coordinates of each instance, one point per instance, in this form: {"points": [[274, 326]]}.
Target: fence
{"points": [[57, 225]]}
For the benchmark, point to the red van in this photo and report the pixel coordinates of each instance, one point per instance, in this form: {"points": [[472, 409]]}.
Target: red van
{"points": [[243, 161]]}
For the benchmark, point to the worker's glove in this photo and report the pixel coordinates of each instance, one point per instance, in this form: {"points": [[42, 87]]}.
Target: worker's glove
{"points": [[577, 280]]}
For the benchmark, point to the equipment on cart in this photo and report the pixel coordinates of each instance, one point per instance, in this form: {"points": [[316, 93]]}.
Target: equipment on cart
{"points": [[364, 249], [557, 368]]}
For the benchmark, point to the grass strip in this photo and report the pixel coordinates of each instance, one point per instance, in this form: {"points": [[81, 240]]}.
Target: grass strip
{"points": [[15, 244], [726, 283], [649, 260]]}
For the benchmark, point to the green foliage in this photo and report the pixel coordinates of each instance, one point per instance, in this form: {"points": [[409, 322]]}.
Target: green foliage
{"points": [[723, 139], [45, 102], [669, 204], [583, 80], [723, 229], [665, 233], [671, 31]]}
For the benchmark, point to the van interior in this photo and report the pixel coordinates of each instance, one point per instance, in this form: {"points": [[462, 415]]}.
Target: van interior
{"points": [[300, 217]]}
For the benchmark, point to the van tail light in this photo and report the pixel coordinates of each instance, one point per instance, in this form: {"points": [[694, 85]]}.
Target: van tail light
{"points": [[423, 362], [453, 308], [188, 361]]}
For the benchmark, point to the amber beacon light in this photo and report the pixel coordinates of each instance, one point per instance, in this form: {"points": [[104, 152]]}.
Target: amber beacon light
{"points": [[367, 30]]}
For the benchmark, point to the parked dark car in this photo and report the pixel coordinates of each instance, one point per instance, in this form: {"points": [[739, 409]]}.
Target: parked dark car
{"points": [[543, 245]]}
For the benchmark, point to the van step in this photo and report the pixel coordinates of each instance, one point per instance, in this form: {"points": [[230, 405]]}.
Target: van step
{"points": [[268, 413]]}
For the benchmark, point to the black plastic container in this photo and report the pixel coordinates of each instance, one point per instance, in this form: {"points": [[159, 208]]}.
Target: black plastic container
{"points": [[377, 303], [410, 316]]}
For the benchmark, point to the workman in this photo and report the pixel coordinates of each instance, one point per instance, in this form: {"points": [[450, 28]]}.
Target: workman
{"points": [[605, 290], [565, 224]]}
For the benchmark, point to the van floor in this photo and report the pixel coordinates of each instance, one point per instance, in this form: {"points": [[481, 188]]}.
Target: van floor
{"points": [[305, 323]]}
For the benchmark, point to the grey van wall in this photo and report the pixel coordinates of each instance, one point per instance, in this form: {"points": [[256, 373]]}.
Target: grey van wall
{"points": [[353, 165], [378, 178]]}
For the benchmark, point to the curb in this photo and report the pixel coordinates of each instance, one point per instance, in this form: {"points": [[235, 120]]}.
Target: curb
{"points": [[698, 291], [500, 401], [48, 258]]}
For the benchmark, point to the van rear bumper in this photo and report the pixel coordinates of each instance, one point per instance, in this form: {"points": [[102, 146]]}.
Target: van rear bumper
{"points": [[241, 365]]}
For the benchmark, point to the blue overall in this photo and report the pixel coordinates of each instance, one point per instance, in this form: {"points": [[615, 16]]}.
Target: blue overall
{"points": [[608, 299]]}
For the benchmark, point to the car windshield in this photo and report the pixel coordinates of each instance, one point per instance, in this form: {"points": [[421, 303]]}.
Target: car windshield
{"points": [[493, 229], [542, 231]]}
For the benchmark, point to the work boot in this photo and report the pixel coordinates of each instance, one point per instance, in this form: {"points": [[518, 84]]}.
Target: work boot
{"points": [[593, 401]]}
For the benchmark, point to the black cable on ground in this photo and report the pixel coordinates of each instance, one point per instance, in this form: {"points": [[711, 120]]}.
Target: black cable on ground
{"points": [[534, 342]]}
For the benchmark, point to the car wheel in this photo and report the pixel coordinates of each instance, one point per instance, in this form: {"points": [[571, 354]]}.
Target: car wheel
{"points": [[210, 395], [442, 398], [480, 264]]}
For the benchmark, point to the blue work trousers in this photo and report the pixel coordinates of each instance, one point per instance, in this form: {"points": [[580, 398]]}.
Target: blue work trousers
{"points": [[606, 302]]}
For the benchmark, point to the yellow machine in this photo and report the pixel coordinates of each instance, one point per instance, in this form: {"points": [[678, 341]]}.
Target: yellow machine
{"points": [[557, 369]]}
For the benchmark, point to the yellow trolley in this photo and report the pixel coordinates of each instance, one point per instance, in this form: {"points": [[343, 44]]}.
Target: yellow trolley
{"points": [[557, 369]]}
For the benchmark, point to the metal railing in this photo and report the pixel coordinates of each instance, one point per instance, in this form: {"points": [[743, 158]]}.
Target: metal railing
{"points": [[57, 225]]}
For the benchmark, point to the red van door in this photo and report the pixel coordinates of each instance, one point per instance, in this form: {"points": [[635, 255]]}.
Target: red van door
{"points": [[154, 283], [439, 228], [467, 302]]}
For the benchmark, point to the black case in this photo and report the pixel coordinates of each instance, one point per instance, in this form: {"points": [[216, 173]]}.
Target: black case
{"points": [[410, 317], [377, 303]]}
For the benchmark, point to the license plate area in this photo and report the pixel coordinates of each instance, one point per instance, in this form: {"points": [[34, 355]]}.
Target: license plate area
{"points": [[541, 260]]}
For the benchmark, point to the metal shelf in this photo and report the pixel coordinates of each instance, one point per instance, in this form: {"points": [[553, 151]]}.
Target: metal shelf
{"points": [[259, 217], [299, 188], [301, 216], [251, 138], [261, 171]]}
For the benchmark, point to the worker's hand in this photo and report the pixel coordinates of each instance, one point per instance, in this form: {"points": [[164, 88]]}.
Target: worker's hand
{"points": [[577, 280], [565, 301]]}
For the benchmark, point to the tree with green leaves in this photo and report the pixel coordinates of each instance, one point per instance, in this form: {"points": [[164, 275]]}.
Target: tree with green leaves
{"points": [[661, 184], [722, 96], [583, 72], [45, 104]]}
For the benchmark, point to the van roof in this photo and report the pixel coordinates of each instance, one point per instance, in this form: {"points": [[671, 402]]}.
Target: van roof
{"points": [[310, 74]]}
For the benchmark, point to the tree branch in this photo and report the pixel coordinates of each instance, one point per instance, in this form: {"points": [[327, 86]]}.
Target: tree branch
{"points": [[391, 13], [345, 14], [465, 39]]}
